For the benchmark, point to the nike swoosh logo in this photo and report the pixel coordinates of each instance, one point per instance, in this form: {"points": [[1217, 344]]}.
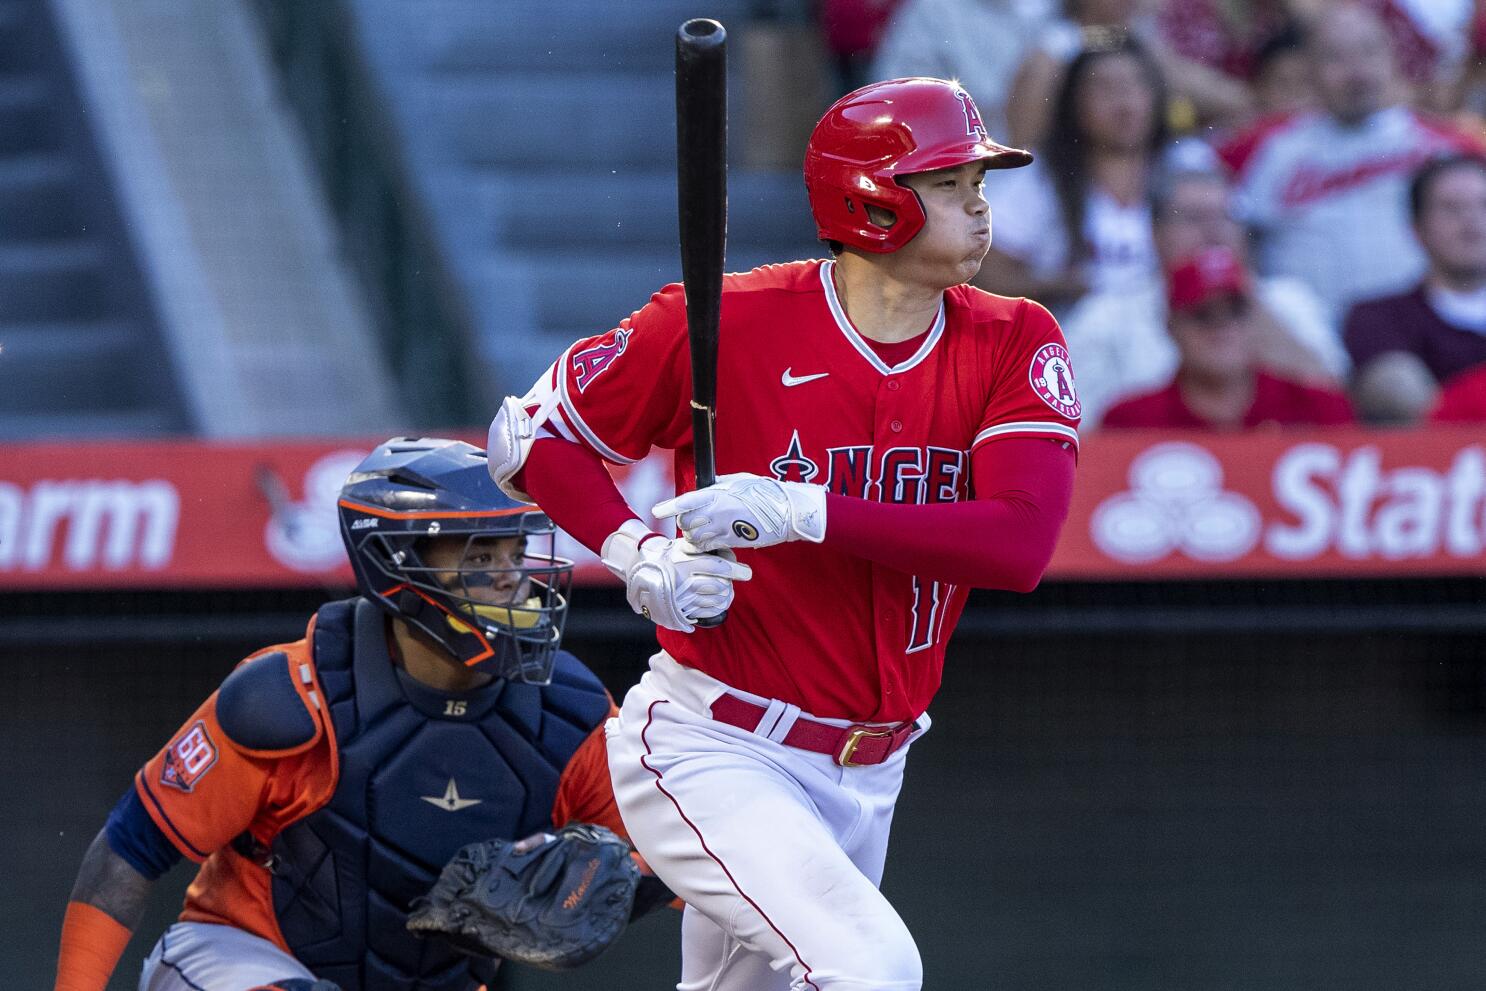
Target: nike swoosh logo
{"points": [[790, 380]]}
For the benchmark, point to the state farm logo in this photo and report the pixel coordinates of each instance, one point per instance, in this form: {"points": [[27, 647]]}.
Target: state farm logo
{"points": [[306, 535], [1176, 503], [1346, 502], [1323, 501], [83, 524]]}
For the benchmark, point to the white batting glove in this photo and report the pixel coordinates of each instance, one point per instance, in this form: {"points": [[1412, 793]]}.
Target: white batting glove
{"points": [[744, 510], [670, 582]]}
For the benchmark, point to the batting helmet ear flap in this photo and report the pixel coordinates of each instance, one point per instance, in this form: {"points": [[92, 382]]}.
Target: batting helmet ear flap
{"points": [[881, 216]]}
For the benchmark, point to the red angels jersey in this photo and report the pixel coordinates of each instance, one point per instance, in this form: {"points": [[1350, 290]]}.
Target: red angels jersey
{"points": [[802, 397]]}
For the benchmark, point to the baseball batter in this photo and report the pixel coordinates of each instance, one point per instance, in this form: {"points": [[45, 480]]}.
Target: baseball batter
{"points": [[889, 438]]}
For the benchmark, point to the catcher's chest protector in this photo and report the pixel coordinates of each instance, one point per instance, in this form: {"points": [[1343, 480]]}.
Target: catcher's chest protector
{"points": [[421, 775]]}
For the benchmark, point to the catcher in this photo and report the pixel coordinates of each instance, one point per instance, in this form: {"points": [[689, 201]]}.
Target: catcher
{"points": [[325, 785]]}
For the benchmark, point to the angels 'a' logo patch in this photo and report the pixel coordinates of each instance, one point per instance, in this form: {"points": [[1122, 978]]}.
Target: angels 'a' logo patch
{"points": [[1051, 377], [188, 758], [591, 361]]}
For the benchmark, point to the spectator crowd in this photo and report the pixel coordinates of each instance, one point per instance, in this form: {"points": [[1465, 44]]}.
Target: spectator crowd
{"points": [[1252, 213]]}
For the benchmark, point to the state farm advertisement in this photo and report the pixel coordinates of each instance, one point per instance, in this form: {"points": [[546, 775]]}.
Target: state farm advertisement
{"points": [[1341, 502], [197, 514], [1335, 503]]}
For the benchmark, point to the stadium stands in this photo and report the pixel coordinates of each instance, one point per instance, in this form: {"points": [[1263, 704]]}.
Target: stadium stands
{"points": [[81, 352], [543, 144]]}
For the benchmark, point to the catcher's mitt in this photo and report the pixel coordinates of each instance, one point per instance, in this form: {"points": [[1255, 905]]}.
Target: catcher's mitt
{"points": [[556, 906]]}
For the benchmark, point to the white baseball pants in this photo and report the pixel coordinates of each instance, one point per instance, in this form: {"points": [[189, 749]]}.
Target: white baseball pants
{"points": [[776, 851]]}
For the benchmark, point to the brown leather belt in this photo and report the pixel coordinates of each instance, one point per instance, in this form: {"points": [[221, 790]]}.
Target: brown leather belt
{"points": [[850, 746]]}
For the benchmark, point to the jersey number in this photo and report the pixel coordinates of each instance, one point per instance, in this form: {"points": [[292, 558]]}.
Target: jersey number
{"points": [[195, 751], [188, 758], [928, 597]]}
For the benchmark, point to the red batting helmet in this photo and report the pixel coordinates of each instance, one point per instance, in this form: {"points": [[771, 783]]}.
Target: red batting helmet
{"points": [[871, 136]]}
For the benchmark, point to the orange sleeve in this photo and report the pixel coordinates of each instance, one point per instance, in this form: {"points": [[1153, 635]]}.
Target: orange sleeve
{"points": [[92, 942], [199, 789], [584, 792]]}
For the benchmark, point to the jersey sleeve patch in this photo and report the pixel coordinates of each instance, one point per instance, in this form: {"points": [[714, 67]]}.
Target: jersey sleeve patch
{"points": [[1029, 374], [260, 709], [1051, 377], [624, 391], [188, 758], [588, 363]]}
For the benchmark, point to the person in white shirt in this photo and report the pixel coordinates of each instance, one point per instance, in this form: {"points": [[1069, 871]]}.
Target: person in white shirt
{"points": [[1079, 217], [1119, 340], [1325, 190]]}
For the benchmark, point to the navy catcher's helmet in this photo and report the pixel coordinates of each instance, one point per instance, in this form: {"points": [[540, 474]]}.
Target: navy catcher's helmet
{"points": [[412, 490]]}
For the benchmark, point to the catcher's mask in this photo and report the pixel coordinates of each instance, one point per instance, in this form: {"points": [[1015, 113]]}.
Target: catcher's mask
{"points": [[435, 542]]}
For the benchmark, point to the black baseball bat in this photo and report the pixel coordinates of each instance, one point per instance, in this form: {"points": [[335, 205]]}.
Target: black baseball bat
{"points": [[702, 202]]}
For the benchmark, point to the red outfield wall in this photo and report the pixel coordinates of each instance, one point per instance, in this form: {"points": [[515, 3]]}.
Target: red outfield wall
{"points": [[1334, 503]]}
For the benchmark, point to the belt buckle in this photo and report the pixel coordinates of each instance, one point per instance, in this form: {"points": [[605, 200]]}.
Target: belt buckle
{"points": [[853, 740]]}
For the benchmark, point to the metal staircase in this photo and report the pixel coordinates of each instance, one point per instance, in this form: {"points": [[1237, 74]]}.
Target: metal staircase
{"points": [[81, 352]]}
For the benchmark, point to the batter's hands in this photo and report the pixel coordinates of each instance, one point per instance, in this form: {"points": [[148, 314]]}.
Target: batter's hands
{"points": [[671, 582], [744, 510]]}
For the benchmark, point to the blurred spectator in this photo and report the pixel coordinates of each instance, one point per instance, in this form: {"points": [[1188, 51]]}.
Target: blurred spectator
{"points": [[1282, 82], [1119, 341], [1403, 346], [1225, 36], [1034, 86], [1463, 398], [1431, 41], [1218, 382], [1079, 218], [851, 31], [1471, 89], [1203, 91], [978, 42], [1325, 190]]}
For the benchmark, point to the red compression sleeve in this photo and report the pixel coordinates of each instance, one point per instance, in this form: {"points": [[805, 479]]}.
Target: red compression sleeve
{"points": [[1003, 538], [574, 488]]}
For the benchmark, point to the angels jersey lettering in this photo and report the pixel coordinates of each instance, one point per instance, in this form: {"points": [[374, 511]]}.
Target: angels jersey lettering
{"points": [[803, 397]]}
